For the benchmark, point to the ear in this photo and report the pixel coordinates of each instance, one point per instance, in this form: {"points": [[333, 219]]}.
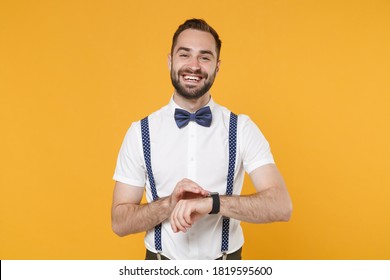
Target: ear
{"points": [[218, 66], [169, 62]]}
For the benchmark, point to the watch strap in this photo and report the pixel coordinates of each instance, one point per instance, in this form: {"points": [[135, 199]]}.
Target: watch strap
{"points": [[216, 203]]}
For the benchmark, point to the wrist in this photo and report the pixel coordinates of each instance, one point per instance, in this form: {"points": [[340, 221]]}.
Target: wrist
{"points": [[167, 205]]}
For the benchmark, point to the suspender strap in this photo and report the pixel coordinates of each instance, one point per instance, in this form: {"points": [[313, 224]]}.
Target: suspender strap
{"points": [[230, 177], [148, 163]]}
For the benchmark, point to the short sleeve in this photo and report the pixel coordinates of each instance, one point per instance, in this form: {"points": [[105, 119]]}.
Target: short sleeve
{"points": [[130, 164], [255, 148]]}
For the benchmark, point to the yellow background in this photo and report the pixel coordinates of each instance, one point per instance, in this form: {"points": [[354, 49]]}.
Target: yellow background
{"points": [[314, 75]]}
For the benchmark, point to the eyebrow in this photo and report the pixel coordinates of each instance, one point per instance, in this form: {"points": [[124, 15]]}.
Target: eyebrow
{"points": [[188, 50], [207, 52]]}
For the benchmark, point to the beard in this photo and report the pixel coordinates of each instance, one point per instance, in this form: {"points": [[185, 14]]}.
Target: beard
{"points": [[191, 91]]}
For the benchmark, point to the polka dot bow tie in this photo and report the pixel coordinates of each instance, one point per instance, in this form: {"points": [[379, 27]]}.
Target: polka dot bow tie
{"points": [[202, 117]]}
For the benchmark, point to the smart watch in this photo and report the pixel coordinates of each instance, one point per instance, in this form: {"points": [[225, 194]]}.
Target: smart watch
{"points": [[216, 202]]}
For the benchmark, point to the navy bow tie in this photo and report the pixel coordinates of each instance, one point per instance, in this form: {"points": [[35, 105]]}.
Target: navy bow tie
{"points": [[202, 117]]}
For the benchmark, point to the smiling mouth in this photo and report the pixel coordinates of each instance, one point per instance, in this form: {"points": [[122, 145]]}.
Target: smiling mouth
{"points": [[191, 78]]}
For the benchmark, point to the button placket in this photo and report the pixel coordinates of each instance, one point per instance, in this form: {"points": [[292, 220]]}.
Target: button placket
{"points": [[192, 151], [192, 159]]}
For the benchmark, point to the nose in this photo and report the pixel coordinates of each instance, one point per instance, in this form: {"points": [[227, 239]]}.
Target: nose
{"points": [[194, 64]]}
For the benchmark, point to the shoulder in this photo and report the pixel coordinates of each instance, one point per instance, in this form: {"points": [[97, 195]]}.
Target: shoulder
{"points": [[225, 113], [134, 131], [161, 113], [154, 119]]}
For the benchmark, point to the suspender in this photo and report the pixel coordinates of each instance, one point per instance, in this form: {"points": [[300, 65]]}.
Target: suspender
{"points": [[229, 184], [230, 179], [148, 163]]}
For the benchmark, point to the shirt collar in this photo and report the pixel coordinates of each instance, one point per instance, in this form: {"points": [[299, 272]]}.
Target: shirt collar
{"points": [[172, 105]]}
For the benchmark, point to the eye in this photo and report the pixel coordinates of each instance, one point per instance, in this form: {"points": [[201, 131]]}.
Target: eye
{"points": [[183, 55], [205, 58]]}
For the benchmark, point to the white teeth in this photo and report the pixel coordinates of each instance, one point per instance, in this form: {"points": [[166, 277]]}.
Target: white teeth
{"points": [[192, 78]]}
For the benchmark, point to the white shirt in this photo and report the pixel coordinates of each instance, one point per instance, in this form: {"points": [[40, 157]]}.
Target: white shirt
{"points": [[200, 154]]}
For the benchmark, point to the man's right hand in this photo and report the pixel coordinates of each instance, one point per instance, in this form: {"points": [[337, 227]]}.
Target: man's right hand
{"points": [[186, 189]]}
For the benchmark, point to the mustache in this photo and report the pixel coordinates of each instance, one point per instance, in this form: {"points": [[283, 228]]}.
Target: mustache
{"points": [[193, 72]]}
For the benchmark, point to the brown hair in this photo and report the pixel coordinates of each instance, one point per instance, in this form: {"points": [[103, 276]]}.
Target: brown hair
{"points": [[197, 24]]}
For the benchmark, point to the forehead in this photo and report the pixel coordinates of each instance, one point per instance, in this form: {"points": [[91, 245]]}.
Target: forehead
{"points": [[196, 40]]}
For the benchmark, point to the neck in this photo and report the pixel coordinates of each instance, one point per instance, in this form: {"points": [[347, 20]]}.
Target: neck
{"points": [[191, 105]]}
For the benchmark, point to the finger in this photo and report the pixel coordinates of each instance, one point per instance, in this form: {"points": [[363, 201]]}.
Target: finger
{"points": [[183, 187], [183, 215], [173, 223], [187, 217], [193, 188], [191, 185], [205, 192], [177, 221]]}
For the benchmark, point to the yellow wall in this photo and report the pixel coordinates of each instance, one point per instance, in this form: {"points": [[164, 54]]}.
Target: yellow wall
{"points": [[314, 75]]}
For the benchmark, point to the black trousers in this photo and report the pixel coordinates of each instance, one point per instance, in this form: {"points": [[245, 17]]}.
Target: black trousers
{"points": [[233, 256]]}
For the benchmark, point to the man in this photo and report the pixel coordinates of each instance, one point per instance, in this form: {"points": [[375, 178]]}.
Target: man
{"points": [[192, 155]]}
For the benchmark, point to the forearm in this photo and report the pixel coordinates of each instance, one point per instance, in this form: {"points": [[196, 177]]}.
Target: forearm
{"points": [[270, 205], [130, 218]]}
